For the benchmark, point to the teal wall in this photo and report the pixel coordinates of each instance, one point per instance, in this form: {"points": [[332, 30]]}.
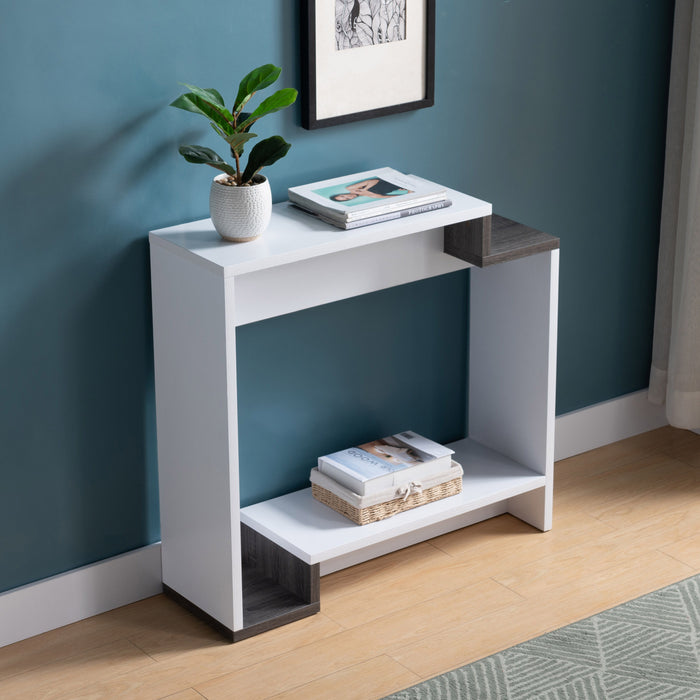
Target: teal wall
{"points": [[343, 373], [551, 109]]}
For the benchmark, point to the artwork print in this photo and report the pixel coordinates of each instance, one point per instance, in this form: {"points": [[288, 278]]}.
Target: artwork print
{"points": [[369, 22], [363, 59], [362, 191]]}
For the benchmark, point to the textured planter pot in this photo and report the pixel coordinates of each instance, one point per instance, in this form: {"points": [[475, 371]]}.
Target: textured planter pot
{"points": [[240, 213]]}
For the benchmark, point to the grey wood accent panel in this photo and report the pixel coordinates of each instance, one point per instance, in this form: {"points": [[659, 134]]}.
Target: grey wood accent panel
{"points": [[273, 562], [267, 604], [278, 588], [510, 240], [469, 239]]}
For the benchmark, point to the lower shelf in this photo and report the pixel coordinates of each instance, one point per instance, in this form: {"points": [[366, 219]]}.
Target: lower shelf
{"points": [[315, 534]]}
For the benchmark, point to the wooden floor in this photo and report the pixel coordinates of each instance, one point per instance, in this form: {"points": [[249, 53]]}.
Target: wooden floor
{"points": [[626, 522]]}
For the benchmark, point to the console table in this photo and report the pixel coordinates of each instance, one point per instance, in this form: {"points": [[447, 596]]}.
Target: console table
{"points": [[249, 569]]}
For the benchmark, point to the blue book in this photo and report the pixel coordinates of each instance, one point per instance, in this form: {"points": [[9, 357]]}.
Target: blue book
{"points": [[387, 463]]}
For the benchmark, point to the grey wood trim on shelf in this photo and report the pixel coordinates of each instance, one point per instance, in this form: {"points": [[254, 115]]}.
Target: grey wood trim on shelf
{"points": [[274, 562], [278, 588], [267, 605], [507, 240]]}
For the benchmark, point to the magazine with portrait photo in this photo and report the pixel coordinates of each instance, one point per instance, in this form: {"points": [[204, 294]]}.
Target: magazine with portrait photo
{"points": [[366, 194]]}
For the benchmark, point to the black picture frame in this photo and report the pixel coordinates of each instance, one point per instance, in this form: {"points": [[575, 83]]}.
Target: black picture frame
{"points": [[310, 83]]}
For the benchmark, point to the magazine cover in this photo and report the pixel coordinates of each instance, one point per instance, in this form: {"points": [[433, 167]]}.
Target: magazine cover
{"points": [[365, 194]]}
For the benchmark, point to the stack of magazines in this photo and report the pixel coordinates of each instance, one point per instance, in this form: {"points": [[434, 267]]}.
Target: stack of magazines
{"points": [[381, 478], [369, 197]]}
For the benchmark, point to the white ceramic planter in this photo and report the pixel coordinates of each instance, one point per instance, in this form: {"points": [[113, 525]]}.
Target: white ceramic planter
{"points": [[240, 213]]}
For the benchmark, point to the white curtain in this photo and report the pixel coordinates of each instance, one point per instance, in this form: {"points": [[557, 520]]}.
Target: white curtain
{"points": [[675, 371]]}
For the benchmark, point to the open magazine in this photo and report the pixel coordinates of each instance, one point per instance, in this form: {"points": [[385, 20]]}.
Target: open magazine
{"points": [[367, 194]]}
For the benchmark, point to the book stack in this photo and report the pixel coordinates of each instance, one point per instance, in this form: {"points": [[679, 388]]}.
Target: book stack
{"points": [[368, 197], [378, 479]]}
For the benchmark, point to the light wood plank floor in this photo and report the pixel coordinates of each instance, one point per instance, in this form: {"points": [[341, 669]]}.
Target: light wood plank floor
{"points": [[627, 521]]}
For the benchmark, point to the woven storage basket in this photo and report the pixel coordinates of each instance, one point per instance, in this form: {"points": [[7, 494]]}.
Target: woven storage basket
{"points": [[380, 511]]}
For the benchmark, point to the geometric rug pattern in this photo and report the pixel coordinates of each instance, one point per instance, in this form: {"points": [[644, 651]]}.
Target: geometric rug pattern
{"points": [[646, 649]]}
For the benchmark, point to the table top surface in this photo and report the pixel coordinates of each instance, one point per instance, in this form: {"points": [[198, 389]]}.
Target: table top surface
{"points": [[294, 235]]}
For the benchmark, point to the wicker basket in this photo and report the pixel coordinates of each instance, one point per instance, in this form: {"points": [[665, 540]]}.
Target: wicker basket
{"points": [[380, 511]]}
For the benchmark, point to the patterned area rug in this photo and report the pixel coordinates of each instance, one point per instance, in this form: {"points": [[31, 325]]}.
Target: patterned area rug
{"points": [[647, 649]]}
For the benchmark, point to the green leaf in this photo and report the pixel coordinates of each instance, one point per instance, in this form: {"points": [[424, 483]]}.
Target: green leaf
{"points": [[275, 102], [210, 95], [187, 103], [265, 152], [257, 79], [219, 130], [237, 141], [196, 104], [205, 156]]}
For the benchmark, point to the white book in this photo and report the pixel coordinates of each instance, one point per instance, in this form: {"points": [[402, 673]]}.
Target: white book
{"points": [[386, 463], [379, 218], [365, 194]]}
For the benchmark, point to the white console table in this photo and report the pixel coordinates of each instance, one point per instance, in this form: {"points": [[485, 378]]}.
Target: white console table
{"points": [[250, 569]]}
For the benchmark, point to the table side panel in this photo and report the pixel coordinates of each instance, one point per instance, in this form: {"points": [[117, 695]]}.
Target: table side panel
{"points": [[196, 431], [513, 331]]}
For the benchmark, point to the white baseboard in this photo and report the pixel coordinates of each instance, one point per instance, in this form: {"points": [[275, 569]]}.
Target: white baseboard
{"points": [[603, 423], [90, 590], [60, 600]]}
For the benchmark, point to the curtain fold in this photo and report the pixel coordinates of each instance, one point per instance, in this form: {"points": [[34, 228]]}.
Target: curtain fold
{"points": [[675, 372]]}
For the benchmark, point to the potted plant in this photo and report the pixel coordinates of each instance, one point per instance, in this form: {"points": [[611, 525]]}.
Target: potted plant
{"points": [[240, 202]]}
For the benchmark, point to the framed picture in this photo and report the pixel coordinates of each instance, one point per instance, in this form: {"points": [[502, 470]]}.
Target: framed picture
{"points": [[366, 58]]}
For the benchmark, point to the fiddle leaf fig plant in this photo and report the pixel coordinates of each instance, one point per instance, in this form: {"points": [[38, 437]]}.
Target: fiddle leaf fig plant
{"points": [[234, 126]]}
